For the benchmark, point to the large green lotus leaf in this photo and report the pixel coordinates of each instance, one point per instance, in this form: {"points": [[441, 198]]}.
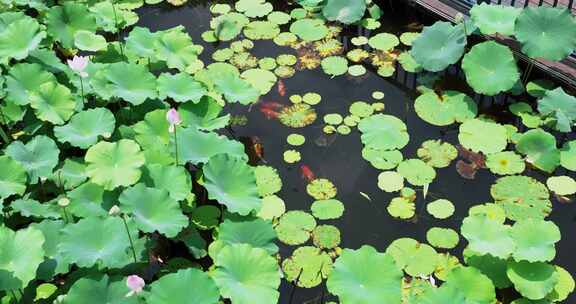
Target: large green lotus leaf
{"points": [[487, 236], [204, 115], [19, 38], [39, 156], [309, 29], [153, 210], [439, 46], [131, 82], [85, 127], [88, 41], [568, 155], [444, 110], [345, 11], [493, 267], [365, 276], [247, 275], [472, 284], [382, 159], [231, 182], [562, 106], [63, 21], [110, 18], [483, 136], [89, 200], [492, 19], [23, 80], [113, 164], [197, 147], [384, 132], [414, 258], [12, 177], [99, 289], [254, 8], [54, 263], [490, 68], [255, 232], [540, 149], [535, 240], [260, 79], [532, 280], [180, 87], [175, 47], [416, 172], [82, 246], [443, 294], [236, 89], [140, 42], [53, 102], [307, 266], [546, 32], [186, 286], [174, 179], [152, 132], [21, 254], [522, 197], [32, 208]]}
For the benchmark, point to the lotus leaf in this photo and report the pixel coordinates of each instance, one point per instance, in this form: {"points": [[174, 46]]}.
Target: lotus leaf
{"points": [[416, 172], [22, 253], [444, 110], [561, 185], [321, 189], [53, 102], [267, 180], [19, 38], [439, 46], [344, 11], [228, 26], [64, 21], [562, 106], [535, 239], [540, 149], [532, 280], [203, 115], [88, 200], [262, 80], [474, 286], [326, 236], [505, 163], [12, 177], [88, 41], [415, 258], [236, 89], [257, 30], [401, 208], [80, 245], [383, 132], [490, 68], [546, 32], [24, 80], [445, 238], [492, 19], [110, 18], [436, 153], [255, 232], [175, 47], [568, 155], [294, 227], [353, 282], [180, 87], [327, 209], [98, 289], [487, 236], [440, 208], [493, 267], [335, 65], [174, 179], [231, 182], [140, 42], [32, 208], [382, 159], [54, 263], [206, 217], [246, 275], [85, 127], [564, 287], [272, 207], [129, 81], [307, 266], [521, 197], [408, 63], [113, 164], [198, 147], [390, 181], [285, 38], [408, 38], [186, 286], [309, 29], [483, 136], [39, 156]]}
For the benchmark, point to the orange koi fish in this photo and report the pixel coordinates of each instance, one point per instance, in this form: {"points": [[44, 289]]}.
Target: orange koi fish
{"points": [[307, 174], [270, 109], [281, 87]]}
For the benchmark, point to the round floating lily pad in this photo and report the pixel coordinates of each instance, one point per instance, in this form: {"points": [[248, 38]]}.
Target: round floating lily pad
{"points": [[295, 227], [356, 70], [561, 185], [361, 109], [309, 29], [521, 197], [378, 95], [444, 110], [312, 98], [540, 149], [444, 238], [563, 288], [254, 8], [415, 258], [351, 120], [220, 8], [358, 41], [333, 119], [279, 17], [343, 130], [272, 207], [267, 180], [383, 132], [401, 208], [436, 153], [378, 106], [382, 159], [532, 280], [295, 98], [267, 63], [439, 46], [416, 172], [284, 71], [326, 237], [286, 59], [285, 38], [390, 181], [297, 116], [327, 209], [491, 210], [483, 136], [505, 163], [291, 156], [321, 189], [568, 155], [298, 13], [335, 65], [308, 266], [441, 208], [295, 139], [408, 37], [383, 41], [329, 129], [487, 236]]}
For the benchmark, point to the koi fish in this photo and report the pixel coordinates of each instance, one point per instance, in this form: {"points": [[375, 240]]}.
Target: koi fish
{"points": [[307, 174], [477, 159], [257, 147], [253, 148], [268, 113], [273, 105], [281, 88]]}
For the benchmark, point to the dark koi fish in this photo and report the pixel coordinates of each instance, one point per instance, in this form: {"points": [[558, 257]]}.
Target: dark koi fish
{"points": [[307, 174], [281, 88]]}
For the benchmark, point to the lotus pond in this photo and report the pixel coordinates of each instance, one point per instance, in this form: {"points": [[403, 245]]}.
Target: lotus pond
{"points": [[338, 151]]}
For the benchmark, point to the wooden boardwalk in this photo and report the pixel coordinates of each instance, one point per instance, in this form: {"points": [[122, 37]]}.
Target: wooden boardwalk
{"points": [[564, 71]]}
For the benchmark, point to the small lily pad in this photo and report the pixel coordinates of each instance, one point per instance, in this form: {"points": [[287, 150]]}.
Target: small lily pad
{"points": [[444, 238], [440, 209], [327, 209], [390, 181], [321, 189], [505, 163], [295, 139], [326, 236], [291, 156], [561, 185], [295, 227]]}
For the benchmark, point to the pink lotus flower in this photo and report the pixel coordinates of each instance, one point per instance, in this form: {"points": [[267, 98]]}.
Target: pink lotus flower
{"points": [[135, 284], [173, 118], [78, 64]]}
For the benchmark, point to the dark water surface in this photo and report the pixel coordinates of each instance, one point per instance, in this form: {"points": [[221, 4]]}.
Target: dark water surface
{"points": [[364, 221]]}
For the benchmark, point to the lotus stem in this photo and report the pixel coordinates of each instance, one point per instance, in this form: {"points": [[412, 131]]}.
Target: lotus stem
{"points": [[176, 144], [3, 134], [82, 90], [117, 29], [129, 238]]}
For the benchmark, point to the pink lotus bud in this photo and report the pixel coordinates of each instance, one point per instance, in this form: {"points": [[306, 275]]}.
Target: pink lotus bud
{"points": [[135, 284], [78, 64], [173, 118]]}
